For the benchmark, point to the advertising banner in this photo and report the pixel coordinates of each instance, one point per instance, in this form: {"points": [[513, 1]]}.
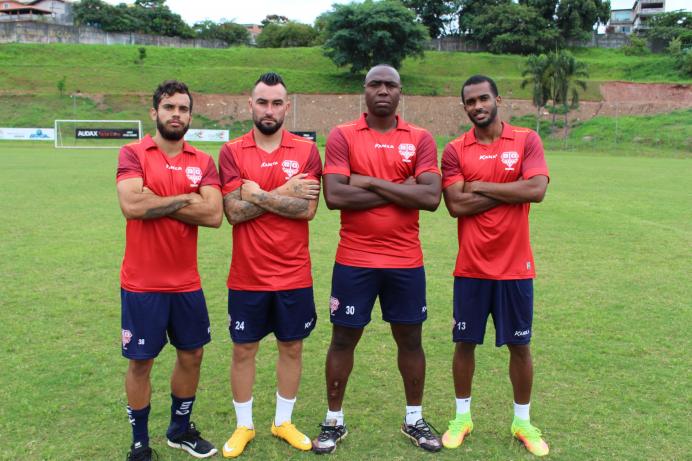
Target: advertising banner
{"points": [[106, 133], [28, 134], [207, 135]]}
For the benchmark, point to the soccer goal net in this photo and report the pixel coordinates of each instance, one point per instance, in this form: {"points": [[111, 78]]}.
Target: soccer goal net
{"points": [[96, 134]]}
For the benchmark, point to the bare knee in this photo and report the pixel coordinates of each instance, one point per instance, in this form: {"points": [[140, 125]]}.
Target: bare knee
{"points": [[520, 352], [191, 358], [344, 339], [465, 350], [244, 352], [140, 369], [291, 350], [408, 338]]}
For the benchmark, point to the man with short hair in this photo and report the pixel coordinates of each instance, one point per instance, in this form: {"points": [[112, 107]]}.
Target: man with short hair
{"points": [[491, 174], [270, 180], [166, 189], [379, 171]]}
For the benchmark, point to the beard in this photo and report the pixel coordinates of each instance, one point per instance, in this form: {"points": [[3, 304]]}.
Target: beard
{"points": [[268, 129], [171, 134], [490, 119]]}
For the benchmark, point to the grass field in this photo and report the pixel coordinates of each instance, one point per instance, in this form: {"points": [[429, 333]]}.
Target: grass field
{"points": [[613, 245], [36, 69]]}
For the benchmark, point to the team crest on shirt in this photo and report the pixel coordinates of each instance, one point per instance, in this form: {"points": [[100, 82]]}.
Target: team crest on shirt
{"points": [[126, 337], [509, 159], [194, 174], [407, 151], [333, 304], [290, 167]]}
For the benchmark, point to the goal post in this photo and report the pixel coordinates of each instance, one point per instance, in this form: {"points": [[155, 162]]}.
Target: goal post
{"points": [[96, 134]]}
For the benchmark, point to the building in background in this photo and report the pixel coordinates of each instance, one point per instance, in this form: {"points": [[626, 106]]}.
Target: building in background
{"points": [[59, 11]]}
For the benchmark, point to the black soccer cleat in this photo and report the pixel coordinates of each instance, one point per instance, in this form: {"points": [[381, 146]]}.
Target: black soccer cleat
{"points": [[422, 435], [329, 436], [192, 442], [141, 454]]}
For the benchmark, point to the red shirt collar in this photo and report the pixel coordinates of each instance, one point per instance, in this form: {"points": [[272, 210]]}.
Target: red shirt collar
{"points": [[148, 143], [401, 124], [286, 139], [507, 133]]}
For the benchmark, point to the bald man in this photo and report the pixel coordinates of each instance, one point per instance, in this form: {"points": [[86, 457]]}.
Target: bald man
{"points": [[379, 171]]}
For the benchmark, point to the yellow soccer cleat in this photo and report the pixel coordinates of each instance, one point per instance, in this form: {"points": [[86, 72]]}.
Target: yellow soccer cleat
{"points": [[236, 444], [530, 436], [459, 428], [293, 436]]}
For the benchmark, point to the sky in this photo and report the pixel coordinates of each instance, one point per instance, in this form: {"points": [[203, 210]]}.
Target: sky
{"points": [[246, 11], [253, 11]]}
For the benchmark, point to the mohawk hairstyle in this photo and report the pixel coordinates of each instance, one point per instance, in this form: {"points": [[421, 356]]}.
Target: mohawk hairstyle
{"points": [[270, 79]]}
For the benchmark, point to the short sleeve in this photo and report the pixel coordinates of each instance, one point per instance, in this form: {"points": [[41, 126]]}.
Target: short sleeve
{"points": [[230, 173], [313, 167], [534, 157], [128, 165], [426, 155], [336, 154], [451, 167], [210, 177]]}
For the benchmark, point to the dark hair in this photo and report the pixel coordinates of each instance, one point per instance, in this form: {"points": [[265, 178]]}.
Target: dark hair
{"points": [[270, 79], [475, 80], [169, 88]]}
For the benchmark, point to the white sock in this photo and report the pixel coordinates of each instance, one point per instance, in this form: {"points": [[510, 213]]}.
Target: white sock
{"points": [[243, 414], [337, 415], [413, 414], [522, 411], [284, 409], [463, 405]]}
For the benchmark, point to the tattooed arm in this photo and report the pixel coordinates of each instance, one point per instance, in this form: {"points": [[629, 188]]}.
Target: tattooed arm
{"points": [[284, 200], [286, 206], [238, 210], [138, 202]]}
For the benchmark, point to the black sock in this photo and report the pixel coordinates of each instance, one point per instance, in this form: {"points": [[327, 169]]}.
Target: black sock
{"points": [[139, 419]]}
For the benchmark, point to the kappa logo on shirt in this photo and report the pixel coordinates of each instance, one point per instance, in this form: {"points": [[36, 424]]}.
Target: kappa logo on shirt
{"points": [[290, 167], [407, 151], [383, 146], [509, 159], [194, 174]]}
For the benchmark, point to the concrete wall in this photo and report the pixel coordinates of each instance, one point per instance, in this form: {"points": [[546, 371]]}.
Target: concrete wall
{"points": [[45, 32]]}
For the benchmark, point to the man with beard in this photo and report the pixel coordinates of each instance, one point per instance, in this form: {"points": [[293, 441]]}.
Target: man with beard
{"points": [[490, 176], [166, 188], [379, 171], [270, 181]]}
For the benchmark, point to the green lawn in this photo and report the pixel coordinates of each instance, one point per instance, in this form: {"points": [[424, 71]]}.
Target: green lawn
{"points": [[36, 69], [613, 246]]}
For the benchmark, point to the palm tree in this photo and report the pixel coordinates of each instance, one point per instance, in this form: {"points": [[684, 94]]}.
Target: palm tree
{"points": [[536, 73], [568, 75]]}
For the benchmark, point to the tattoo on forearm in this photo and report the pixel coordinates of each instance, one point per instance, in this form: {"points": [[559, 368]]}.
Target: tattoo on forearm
{"points": [[240, 210], [285, 206], [162, 211]]}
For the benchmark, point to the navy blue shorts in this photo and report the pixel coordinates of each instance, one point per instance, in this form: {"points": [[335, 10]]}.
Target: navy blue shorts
{"points": [[146, 319], [289, 314], [354, 290], [510, 302]]}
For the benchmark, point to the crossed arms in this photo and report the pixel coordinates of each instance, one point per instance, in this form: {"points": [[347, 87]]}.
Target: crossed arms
{"points": [[296, 199], [470, 198], [359, 192], [139, 202]]}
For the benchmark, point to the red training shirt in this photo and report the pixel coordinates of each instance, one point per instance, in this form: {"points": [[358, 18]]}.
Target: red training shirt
{"points": [[495, 244], [270, 252], [384, 236], [161, 254]]}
